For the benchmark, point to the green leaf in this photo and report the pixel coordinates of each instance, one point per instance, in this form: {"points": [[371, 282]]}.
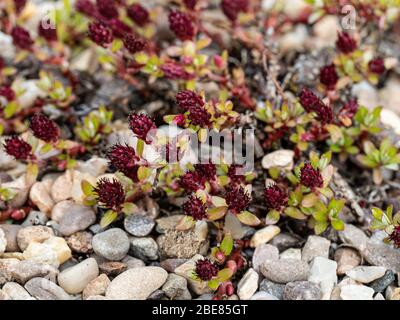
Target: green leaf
{"points": [[108, 218], [186, 223], [320, 226], [129, 208], [218, 201], [337, 224], [248, 218], [216, 213], [295, 213], [46, 148], [272, 217], [143, 173], [87, 188], [224, 274], [140, 147], [309, 200], [213, 284], [227, 244]]}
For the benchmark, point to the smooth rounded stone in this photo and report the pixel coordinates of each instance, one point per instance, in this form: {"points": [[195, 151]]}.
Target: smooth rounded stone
{"points": [[381, 254], [205, 296], [356, 292], [353, 236], [113, 268], [248, 285], [95, 166], [4, 296], [132, 262], [285, 241], [285, 270], [96, 287], [35, 218], [175, 288], [157, 295], [10, 233], [325, 31], [60, 209], [264, 235], [137, 283], [262, 253], [302, 290], [60, 246], [282, 159], [73, 280], [26, 270], [21, 186], [144, 248], [62, 187], [315, 246], [97, 298], [16, 291], [112, 244], [40, 196], [262, 295], [3, 241], [54, 251], [76, 218], [171, 264], [366, 274], [43, 289], [234, 226], [138, 225], [323, 273], [291, 253], [347, 259], [33, 234], [168, 223], [379, 285], [272, 288], [80, 242], [379, 296], [392, 293]]}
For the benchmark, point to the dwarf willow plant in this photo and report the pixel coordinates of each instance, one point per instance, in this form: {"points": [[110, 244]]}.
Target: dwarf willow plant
{"points": [[385, 220]]}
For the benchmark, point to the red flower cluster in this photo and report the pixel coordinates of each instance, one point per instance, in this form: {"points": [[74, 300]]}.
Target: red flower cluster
{"points": [[43, 128], [19, 5], [190, 4], [205, 269], [100, 34], [395, 236], [275, 197], [119, 28], [109, 193], [195, 208], [311, 103], [175, 71], [187, 99], [124, 159], [233, 173], [86, 7], [48, 33], [107, 8], [231, 8], [133, 44], [138, 14], [18, 148], [311, 177], [328, 76], [349, 109], [192, 181], [141, 124], [21, 38], [199, 116], [207, 170], [377, 66], [345, 43], [237, 199], [181, 25], [7, 92]]}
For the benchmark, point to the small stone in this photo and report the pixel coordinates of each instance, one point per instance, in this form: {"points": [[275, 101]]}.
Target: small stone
{"points": [[59, 245], [3, 241], [347, 259], [325, 30], [16, 291], [26, 270], [392, 293], [4, 296], [379, 285], [144, 248], [43, 289], [137, 283], [96, 287], [272, 288], [10, 233], [33, 234], [157, 295], [40, 196], [179, 244], [366, 274], [356, 292], [234, 226], [262, 295], [353, 236], [35, 218], [264, 235], [62, 187], [175, 288], [73, 280], [302, 290], [248, 285], [21, 186], [379, 296], [285, 270], [168, 223], [76, 218], [381, 254], [315, 247], [6, 266], [285, 241], [138, 225], [95, 166], [113, 268], [282, 159], [80, 242], [97, 298], [262, 253], [291, 253], [171, 264], [132, 262], [323, 273], [112, 244], [77, 194]]}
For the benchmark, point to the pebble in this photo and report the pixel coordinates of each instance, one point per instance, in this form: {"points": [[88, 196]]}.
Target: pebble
{"points": [[21, 187], [234, 226], [6, 266], [76, 218], [97, 298], [325, 30], [26, 270], [291, 253], [272, 288], [35, 218], [96, 287], [264, 235], [356, 292], [40, 196], [282, 159], [10, 233], [80, 242], [379, 285], [33, 234], [168, 223], [381, 254], [112, 244], [62, 187], [144, 248], [95, 166], [285, 270], [136, 284], [138, 225], [77, 194], [74, 279], [175, 288], [171, 264], [3, 241], [379, 296], [347, 259], [392, 293], [113, 268], [16, 291], [353, 236], [366, 274], [263, 253], [43, 289], [262, 295], [315, 246], [285, 241], [248, 285], [302, 290], [54, 251], [132, 262], [323, 273]]}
